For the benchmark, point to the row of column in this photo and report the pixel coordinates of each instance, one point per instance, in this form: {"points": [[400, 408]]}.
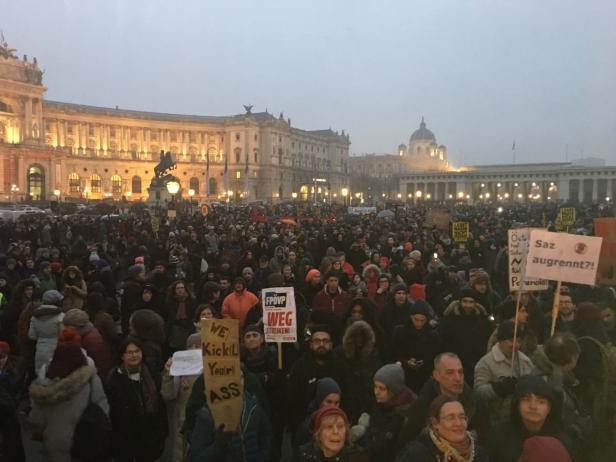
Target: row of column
{"points": [[32, 125]]}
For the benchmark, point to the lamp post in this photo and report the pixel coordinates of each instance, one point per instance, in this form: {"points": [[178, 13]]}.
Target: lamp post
{"points": [[345, 193], [173, 186], [191, 193]]}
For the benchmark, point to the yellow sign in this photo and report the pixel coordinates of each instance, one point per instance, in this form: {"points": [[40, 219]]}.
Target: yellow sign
{"points": [[155, 222], [567, 216], [221, 371], [460, 231]]}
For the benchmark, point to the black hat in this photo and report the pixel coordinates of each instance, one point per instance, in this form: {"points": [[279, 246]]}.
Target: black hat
{"points": [[467, 293], [505, 330], [420, 307]]}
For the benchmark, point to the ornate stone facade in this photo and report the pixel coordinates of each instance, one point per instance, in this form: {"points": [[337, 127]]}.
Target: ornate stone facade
{"points": [[94, 152]]}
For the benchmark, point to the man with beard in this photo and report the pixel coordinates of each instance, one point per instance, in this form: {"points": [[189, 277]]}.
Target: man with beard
{"points": [[316, 363]]}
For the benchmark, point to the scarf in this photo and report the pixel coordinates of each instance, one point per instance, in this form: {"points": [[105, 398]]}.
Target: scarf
{"points": [[180, 313], [147, 385], [458, 452]]}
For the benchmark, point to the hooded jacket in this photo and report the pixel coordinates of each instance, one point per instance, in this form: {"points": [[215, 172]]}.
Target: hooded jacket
{"points": [[45, 326], [75, 295]]}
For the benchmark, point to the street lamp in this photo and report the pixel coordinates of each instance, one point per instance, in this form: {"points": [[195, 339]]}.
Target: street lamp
{"points": [[191, 193], [56, 192], [345, 193], [173, 186]]}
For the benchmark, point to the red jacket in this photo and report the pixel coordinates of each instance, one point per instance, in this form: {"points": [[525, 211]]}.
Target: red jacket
{"points": [[336, 304]]}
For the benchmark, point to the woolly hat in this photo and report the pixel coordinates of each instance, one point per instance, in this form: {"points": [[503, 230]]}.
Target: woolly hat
{"points": [[139, 260], [478, 277], [325, 386], [70, 335], [537, 386], [67, 358], [505, 330], [5, 347], [52, 297], [56, 267], [311, 274], [252, 328], [392, 376], [415, 255], [420, 307], [76, 317], [468, 293], [399, 288], [173, 260], [249, 270], [325, 411], [417, 291], [193, 339], [134, 270], [544, 449]]}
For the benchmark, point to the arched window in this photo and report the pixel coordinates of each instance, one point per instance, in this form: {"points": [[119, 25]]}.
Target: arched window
{"points": [[116, 185], [136, 185], [95, 183], [194, 184], [74, 183], [213, 186]]}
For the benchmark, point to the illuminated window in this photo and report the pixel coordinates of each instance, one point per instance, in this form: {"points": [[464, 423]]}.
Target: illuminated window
{"points": [[95, 183], [74, 183], [136, 185], [238, 174], [116, 185]]}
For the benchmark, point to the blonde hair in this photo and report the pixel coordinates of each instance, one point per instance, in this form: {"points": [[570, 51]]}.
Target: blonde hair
{"points": [[327, 419]]}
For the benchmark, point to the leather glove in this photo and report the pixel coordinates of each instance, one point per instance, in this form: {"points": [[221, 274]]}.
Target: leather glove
{"points": [[505, 386]]}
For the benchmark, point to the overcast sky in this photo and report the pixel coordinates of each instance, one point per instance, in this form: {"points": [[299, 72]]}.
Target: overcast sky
{"points": [[483, 72]]}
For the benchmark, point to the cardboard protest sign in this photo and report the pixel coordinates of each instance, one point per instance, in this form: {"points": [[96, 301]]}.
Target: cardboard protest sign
{"points": [[567, 216], [517, 240], [279, 314], [563, 257], [221, 371], [439, 218], [606, 228], [155, 222], [460, 231], [361, 210], [186, 362]]}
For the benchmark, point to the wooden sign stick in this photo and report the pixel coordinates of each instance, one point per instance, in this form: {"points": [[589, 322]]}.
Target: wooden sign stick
{"points": [[555, 307]]}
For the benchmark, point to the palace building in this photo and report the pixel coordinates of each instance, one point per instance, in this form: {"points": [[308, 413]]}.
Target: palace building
{"points": [[50, 148]]}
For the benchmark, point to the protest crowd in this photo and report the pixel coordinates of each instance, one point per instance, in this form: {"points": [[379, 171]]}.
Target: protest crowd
{"points": [[410, 345]]}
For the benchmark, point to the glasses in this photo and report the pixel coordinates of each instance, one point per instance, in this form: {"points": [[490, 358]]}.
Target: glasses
{"points": [[450, 418]]}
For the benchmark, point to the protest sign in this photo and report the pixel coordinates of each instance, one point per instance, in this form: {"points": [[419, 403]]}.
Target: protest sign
{"points": [[221, 371], [563, 257], [439, 218], [279, 314], [361, 210], [205, 209], [155, 222], [460, 231], [517, 240], [186, 362], [606, 228], [567, 216]]}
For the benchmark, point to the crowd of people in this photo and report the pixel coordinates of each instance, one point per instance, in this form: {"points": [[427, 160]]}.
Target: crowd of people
{"points": [[410, 346]]}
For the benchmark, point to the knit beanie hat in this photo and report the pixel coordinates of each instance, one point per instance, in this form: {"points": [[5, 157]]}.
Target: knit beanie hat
{"points": [[417, 291], [392, 376], [67, 358], [311, 274], [421, 307], [505, 330], [76, 317], [468, 293], [325, 386], [399, 288], [322, 412], [415, 255], [193, 339], [134, 270], [249, 270], [544, 449], [52, 297], [5, 347], [253, 328], [70, 335]]}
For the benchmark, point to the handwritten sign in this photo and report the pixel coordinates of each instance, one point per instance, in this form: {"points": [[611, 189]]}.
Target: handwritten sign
{"points": [[186, 362], [155, 222], [518, 250], [279, 314], [361, 210], [606, 228], [567, 216], [563, 257], [221, 371], [460, 231]]}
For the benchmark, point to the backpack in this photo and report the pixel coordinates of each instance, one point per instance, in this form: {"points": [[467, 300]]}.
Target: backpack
{"points": [[92, 438]]}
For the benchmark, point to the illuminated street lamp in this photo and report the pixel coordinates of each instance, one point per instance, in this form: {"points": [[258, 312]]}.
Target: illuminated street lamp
{"points": [[191, 193], [173, 186], [345, 193], [56, 192], [294, 195]]}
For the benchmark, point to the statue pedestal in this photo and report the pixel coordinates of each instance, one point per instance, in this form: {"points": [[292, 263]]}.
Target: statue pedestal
{"points": [[158, 194]]}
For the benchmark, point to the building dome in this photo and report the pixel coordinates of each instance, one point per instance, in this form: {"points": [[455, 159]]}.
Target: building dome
{"points": [[422, 133]]}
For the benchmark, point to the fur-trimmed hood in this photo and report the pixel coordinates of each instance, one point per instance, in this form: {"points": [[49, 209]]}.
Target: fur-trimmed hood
{"points": [[46, 310], [56, 391], [455, 309], [371, 267], [358, 330]]}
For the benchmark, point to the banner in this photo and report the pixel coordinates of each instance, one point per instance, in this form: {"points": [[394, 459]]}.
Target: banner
{"points": [[155, 222], [221, 371], [439, 218], [517, 242], [279, 314], [460, 231], [606, 228], [563, 257], [361, 210]]}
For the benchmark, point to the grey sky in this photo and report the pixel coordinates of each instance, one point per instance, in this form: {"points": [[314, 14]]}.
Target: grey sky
{"points": [[482, 72]]}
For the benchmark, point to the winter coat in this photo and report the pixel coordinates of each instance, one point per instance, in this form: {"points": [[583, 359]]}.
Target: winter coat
{"points": [[45, 326], [130, 301], [97, 349], [423, 449], [251, 443], [75, 292], [178, 330], [466, 335], [59, 403], [136, 431], [491, 368], [407, 343], [335, 304], [475, 409], [310, 452], [394, 315], [355, 368], [11, 447], [236, 306]]}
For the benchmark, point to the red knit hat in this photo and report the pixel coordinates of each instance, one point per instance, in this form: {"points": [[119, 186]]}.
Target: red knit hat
{"points": [[70, 335], [311, 274], [544, 449], [5, 347], [324, 411], [417, 291]]}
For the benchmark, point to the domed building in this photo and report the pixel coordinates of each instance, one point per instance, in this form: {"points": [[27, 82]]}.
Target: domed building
{"points": [[424, 153]]}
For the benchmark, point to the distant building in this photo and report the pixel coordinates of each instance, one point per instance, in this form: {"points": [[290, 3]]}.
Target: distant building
{"points": [[94, 152]]}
